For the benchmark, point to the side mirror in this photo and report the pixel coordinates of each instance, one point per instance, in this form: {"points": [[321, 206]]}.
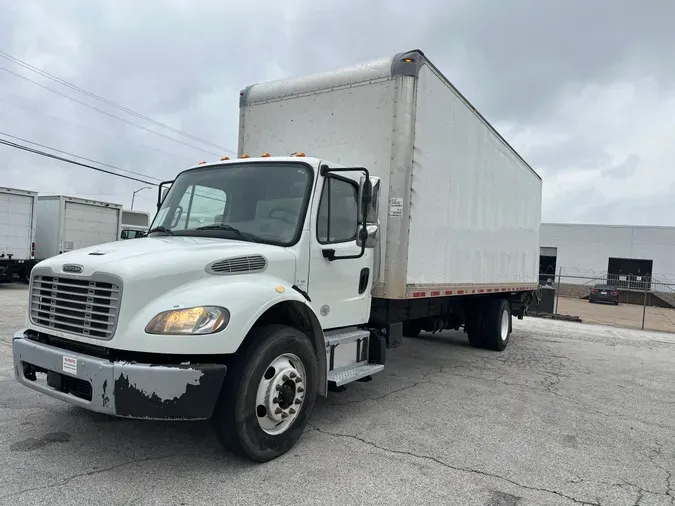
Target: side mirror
{"points": [[373, 205], [370, 234], [164, 188]]}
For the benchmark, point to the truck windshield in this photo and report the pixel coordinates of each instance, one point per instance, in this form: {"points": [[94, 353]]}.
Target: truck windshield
{"points": [[254, 201]]}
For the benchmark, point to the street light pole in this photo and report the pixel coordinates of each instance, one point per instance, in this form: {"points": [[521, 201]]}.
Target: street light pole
{"points": [[133, 195]]}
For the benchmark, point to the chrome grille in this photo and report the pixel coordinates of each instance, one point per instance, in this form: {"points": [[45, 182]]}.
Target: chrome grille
{"points": [[238, 265], [76, 305]]}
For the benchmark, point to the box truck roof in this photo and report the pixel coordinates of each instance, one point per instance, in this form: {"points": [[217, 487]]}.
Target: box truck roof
{"points": [[407, 63]]}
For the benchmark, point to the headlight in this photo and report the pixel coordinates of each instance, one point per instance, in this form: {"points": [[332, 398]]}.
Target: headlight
{"points": [[193, 320]]}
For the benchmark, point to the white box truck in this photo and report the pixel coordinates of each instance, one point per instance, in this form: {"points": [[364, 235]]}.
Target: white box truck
{"points": [[407, 212], [17, 233], [68, 223]]}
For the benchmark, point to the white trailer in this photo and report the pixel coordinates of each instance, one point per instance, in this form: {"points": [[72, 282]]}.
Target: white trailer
{"points": [[266, 281], [68, 223], [462, 208], [17, 233]]}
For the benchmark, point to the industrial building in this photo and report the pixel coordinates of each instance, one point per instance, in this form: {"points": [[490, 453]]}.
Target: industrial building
{"points": [[631, 257]]}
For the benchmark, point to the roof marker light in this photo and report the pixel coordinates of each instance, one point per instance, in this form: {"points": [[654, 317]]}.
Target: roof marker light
{"points": [[300, 154], [244, 156], [265, 155], [202, 163], [224, 158]]}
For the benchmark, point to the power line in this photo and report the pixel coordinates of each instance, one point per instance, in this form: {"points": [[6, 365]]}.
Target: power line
{"points": [[107, 113], [72, 162], [106, 101], [78, 156], [79, 164], [92, 130]]}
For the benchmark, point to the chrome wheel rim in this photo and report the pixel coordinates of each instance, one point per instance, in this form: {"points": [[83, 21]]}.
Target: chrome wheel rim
{"points": [[504, 331], [281, 394]]}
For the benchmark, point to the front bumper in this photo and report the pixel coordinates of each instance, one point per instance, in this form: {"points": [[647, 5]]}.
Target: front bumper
{"points": [[125, 389]]}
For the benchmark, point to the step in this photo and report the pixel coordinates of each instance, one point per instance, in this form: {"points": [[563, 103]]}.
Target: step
{"points": [[345, 336], [355, 373]]}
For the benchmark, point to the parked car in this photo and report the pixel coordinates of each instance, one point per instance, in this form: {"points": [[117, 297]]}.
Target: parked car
{"points": [[604, 293]]}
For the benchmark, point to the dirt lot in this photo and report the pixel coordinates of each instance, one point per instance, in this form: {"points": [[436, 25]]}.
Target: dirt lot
{"points": [[623, 315], [568, 414]]}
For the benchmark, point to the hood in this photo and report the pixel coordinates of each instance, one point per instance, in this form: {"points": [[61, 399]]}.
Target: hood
{"points": [[150, 258]]}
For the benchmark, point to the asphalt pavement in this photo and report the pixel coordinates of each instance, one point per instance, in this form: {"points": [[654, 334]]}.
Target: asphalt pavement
{"points": [[568, 414]]}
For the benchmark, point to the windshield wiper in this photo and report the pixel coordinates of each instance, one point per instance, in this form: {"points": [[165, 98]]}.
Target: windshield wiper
{"points": [[161, 229], [229, 228]]}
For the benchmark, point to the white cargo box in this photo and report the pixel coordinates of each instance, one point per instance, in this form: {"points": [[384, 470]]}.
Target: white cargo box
{"points": [[68, 223], [17, 223], [460, 209]]}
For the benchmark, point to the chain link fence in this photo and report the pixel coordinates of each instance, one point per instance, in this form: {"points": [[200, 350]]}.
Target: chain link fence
{"points": [[620, 300]]}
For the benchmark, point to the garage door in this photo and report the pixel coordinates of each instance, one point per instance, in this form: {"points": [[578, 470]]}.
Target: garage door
{"points": [[86, 225], [16, 216]]}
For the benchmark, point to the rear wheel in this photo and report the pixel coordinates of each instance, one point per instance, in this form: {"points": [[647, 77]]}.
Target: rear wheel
{"points": [[268, 395], [497, 324]]}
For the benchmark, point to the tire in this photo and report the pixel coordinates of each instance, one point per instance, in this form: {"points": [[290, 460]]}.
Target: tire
{"points": [[412, 328], [270, 360], [496, 324]]}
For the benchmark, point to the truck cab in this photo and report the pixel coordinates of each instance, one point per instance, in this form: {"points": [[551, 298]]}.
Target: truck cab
{"points": [[241, 314]]}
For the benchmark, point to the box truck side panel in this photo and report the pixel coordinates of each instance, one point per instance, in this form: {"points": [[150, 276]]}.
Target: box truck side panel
{"points": [[475, 205], [16, 224], [349, 125], [47, 227], [88, 225]]}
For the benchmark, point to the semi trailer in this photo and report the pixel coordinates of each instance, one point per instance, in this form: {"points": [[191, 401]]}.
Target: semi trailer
{"points": [[17, 234], [366, 205]]}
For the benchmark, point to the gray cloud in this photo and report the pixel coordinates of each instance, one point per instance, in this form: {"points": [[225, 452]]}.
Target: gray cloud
{"points": [[524, 63]]}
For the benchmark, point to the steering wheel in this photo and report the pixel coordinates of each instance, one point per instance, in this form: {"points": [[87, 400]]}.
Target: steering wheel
{"points": [[285, 220]]}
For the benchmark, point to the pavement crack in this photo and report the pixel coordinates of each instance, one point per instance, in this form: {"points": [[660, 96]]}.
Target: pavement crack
{"points": [[93, 472], [453, 467]]}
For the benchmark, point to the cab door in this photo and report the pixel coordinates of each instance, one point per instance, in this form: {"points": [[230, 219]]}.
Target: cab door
{"points": [[339, 288]]}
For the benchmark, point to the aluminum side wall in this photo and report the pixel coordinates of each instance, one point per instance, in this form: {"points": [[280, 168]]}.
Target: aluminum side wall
{"points": [[475, 207]]}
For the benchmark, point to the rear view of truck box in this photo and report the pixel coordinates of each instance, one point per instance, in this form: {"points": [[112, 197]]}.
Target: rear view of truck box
{"points": [[17, 232], [460, 209], [69, 223]]}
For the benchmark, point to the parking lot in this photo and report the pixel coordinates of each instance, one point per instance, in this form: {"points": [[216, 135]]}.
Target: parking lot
{"points": [[568, 414]]}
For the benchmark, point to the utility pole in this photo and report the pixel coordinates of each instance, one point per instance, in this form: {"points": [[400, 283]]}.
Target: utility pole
{"points": [[133, 196]]}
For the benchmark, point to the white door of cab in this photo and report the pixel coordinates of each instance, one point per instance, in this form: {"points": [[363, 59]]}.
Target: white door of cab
{"points": [[339, 289]]}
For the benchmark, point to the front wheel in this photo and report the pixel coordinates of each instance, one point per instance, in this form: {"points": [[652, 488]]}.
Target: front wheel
{"points": [[268, 394]]}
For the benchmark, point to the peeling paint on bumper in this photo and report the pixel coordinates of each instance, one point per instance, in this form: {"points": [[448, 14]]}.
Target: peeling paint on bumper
{"points": [[130, 390]]}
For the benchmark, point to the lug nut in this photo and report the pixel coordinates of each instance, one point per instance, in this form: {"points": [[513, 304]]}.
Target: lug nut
{"points": [[278, 410], [278, 387], [298, 380], [275, 400], [285, 378], [291, 411], [284, 415], [300, 389], [292, 375], [298, 401]]}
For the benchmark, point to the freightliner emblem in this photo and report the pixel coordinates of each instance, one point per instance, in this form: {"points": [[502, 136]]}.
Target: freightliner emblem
{"points": [[72, 268]]}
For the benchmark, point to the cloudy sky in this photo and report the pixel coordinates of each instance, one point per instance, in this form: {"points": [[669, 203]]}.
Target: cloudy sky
{"points": [[585, 90]]}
